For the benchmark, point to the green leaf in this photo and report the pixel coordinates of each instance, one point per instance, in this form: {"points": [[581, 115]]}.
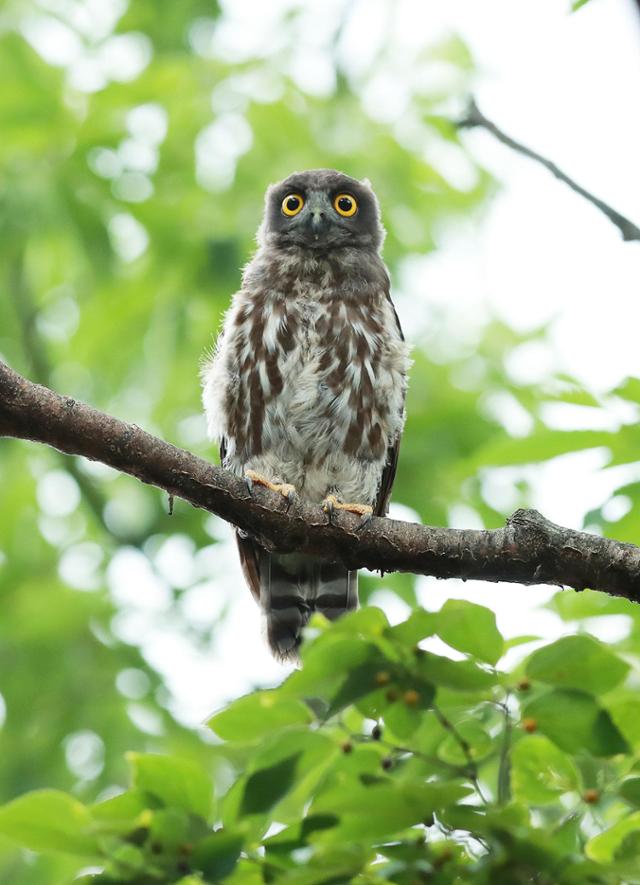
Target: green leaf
{"points": [[515, 641], [540, 446], [122, 809], [574, 721], [217, 855], [624, 710], [577, 662], [540, 772], [456, 675], [478, 741], [418, 626], [470, 628], [604, 846], [367, 622], [327, 662], [379, 811], [255, 715], [630, 791], [316, 751], [573, 606], [629, 389], [179, 783], [125, 861], [170, 827], [48, 820], [578, 4], [265, 788], [403, 719]]}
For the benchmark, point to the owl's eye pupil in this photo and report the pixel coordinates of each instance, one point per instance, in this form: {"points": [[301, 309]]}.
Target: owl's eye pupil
{"points": [[345, 203], [293, 203]]}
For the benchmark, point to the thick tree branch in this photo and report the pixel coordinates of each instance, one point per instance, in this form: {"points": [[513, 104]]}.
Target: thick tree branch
{"points": [[528, 550], [475, 118]]}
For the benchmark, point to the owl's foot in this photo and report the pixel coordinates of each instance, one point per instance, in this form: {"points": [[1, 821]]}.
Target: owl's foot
{"points": [[251, 478], [331, 504]]}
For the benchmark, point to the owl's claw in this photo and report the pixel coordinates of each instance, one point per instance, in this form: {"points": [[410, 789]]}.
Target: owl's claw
{"points": [[251, 478], [328, 505], [291, 495], [364, 511]]}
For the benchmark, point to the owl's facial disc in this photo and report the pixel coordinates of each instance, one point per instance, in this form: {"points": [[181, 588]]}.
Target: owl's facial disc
{"points": [[314, 225], [321, 210]]}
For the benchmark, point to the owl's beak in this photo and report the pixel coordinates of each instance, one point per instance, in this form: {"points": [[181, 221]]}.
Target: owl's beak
{"points": [[318, 222], [317, 217]]}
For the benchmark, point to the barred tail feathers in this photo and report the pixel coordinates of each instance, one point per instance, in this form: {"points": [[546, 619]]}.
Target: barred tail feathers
{"points": [[292, 587]]}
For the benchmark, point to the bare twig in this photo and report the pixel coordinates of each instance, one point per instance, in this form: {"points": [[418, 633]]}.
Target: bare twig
{"points": [[504, 767], [528, 550], [475, 118], [464, 745]]}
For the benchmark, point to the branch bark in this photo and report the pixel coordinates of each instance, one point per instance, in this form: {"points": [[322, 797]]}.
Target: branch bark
{"points": [[475, 118], [528, 550]]}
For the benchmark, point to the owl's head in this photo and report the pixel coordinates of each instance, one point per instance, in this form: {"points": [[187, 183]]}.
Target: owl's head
{"points": [[321, 210]]}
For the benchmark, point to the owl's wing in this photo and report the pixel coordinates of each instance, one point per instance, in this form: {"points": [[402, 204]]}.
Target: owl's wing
{"points": [[381, 505], [248, 549]]}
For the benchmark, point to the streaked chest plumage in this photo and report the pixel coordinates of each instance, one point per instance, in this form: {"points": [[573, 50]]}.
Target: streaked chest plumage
{"points": [[313, 369]]}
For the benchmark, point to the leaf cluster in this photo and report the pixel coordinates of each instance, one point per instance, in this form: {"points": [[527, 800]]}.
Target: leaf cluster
{"points": [[383, 761]]}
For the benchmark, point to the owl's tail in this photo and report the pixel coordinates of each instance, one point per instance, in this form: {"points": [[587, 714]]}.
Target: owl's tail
{"points": [[292, 587]]}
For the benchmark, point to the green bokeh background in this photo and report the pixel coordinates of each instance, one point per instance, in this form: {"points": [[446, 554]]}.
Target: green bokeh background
{"points": [[126, 213]]}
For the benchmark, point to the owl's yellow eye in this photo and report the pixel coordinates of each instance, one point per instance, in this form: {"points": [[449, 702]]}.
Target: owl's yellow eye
{"points": [[292, 204], [345, 205]]}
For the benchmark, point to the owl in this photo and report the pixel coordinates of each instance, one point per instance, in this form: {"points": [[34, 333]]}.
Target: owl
{"points": [[305, 390]]}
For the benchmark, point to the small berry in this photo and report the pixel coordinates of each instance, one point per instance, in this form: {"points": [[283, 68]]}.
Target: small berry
{"points": [[346, 747], [428, 820], [530, 725], [524, 684], [376, 732], [186, 848], [387, 763], [392, 695], [411, 697], [156, 848], [591, 796], [182, 866], [382, 678]]}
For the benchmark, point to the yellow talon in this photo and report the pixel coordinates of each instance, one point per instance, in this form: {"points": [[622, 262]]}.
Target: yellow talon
{"points": [[284, 488], [332, 503]]}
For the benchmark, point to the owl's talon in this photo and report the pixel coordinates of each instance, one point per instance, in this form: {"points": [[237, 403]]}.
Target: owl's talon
{"points": [[331, 504], [328, 505], [292, 497], [251, 478], [365, 519]]}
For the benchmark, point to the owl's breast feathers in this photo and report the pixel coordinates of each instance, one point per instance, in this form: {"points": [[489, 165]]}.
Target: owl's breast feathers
{"points": [[311, 364]]}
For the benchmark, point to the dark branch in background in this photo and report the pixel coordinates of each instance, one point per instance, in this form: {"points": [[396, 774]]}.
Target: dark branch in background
{"points": [[475, 118], [528, 550]]}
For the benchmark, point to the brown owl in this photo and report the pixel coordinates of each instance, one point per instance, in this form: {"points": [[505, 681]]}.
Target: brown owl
{"points": [[306, 389]]}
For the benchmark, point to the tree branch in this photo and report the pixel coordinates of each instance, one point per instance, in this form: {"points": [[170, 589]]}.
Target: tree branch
{"points": [[528, 550], [475, 118]]}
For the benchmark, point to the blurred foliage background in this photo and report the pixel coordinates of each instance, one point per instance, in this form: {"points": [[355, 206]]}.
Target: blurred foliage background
{"points": [[137, 142]]}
